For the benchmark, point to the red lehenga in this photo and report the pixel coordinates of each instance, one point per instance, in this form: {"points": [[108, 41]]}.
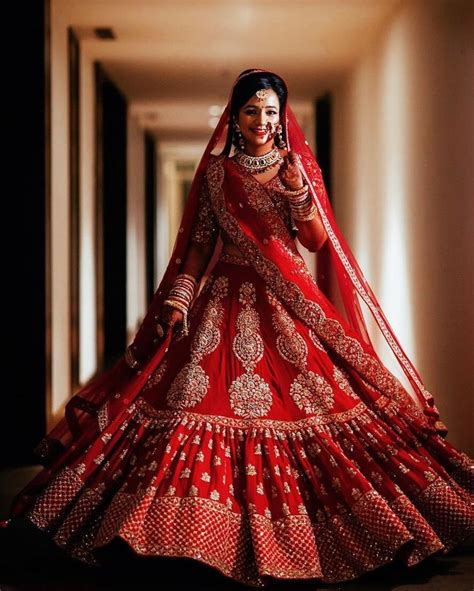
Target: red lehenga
{"points": [[268, 442]]}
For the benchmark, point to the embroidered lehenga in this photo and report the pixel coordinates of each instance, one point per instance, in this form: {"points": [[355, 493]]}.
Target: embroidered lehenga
{"points": [[269, 441]]}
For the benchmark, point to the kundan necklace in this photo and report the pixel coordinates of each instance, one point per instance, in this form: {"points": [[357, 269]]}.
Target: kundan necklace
{"points": [[257, 164]]}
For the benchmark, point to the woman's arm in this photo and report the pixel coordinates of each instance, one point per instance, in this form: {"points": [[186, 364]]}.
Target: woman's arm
{"points": [[197, 259], [311, 233], [203, 238]]}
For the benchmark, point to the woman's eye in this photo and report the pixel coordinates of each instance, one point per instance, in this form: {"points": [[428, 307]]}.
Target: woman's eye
{"points": [[253, 112]]}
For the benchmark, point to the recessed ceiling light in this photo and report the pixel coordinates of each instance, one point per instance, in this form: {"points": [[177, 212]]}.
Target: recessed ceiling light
{"points": [[215, 110], [213, 121]]}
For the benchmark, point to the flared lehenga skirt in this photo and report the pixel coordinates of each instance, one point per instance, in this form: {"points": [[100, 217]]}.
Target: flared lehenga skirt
{"points": [[254, 449]]}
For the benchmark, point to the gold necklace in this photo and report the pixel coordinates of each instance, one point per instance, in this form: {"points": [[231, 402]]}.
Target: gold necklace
{"points": [[257, 164]]}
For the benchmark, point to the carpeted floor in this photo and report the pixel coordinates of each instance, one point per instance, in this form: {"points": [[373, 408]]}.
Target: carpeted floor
{"points": [[30, 561]]}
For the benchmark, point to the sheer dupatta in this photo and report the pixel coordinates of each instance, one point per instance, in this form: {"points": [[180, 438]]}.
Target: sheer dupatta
{"points": [[349, 279], [110, 395], [266, 243]]}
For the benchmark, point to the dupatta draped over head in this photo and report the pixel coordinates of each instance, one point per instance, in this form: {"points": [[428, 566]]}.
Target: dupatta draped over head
{"points": [[331, 309]]}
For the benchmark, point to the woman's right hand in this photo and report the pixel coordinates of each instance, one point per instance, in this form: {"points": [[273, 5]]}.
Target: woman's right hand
{"points": [[170, 318]]}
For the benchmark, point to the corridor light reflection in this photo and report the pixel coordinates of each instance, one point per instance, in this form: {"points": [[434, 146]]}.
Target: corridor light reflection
{"points": [[395, 281]]}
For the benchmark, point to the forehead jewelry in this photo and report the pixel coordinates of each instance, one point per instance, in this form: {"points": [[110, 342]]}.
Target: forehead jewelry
{"points": [[261, 94]]}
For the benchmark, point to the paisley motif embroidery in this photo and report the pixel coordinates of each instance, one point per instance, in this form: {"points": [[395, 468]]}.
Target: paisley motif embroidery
{"points": [[191, 383], [290, 344], [310, 391], [250, 396]]}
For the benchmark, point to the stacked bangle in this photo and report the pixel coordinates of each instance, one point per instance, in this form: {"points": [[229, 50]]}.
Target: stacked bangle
{"points": [[181, 295], [301, 204]]}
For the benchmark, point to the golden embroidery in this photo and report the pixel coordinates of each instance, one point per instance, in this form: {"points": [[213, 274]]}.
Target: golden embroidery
{"points": [[250, 396], [270, 205], [310, 391], [311, 313], [342, 379], [156, 375], [318, 186], [290, 344], [314, 337], [158, 419], [286, 531], [191, 383], [234, 259], [205, 228]]}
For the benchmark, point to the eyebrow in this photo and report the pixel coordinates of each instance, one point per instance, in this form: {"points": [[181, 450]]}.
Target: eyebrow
{"points": [[257, 107]]}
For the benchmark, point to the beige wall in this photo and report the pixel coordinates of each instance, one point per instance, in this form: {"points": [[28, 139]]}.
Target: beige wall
{"points": [[87, 270], [60, 228], [136, 272], [404, 188], [60, 289]]}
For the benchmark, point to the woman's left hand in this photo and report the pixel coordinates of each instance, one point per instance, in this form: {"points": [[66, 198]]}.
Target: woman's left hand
{"points": [[290, 172]]}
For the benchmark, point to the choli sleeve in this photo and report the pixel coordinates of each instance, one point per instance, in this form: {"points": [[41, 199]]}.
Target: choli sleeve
{"points": [[205, 228]]}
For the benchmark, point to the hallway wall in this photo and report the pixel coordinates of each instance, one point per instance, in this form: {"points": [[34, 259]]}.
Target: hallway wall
{"points": [[136, 271], [403, 191], [60, 264]]}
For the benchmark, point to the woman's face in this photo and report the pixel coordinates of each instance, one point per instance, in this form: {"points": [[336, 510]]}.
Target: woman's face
{"points": [[257, 120]]}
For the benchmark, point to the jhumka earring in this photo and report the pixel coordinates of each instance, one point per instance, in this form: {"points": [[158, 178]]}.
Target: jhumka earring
{"points": [[279, 137], [237, 136]]}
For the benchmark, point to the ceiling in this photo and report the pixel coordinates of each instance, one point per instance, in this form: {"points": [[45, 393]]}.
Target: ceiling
{"points": [[168, 50]]}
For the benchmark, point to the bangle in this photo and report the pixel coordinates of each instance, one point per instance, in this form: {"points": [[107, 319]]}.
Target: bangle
{"points": [[183, 289], [304, 217], [186, 275], [175, 304], [302, 206], [296, 192]]}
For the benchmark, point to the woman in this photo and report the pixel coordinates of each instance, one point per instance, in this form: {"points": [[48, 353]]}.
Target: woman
{"points": [[251, 424]]}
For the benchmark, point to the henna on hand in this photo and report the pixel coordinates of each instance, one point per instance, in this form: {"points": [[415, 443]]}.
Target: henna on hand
{"points": [[170, 318], [290, 172]]}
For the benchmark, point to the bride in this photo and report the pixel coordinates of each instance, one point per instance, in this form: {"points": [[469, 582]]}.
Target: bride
{"points": [[251, 425]]}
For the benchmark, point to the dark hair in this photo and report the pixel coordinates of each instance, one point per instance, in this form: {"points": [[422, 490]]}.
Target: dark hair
{"points": [[247, 87]]}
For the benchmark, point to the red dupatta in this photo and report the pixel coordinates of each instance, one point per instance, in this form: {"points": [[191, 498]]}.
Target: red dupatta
{"points": [[110, 395]]}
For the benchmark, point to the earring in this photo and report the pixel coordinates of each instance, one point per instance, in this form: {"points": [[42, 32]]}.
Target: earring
{"points": [[279, 137], [237, 137]]}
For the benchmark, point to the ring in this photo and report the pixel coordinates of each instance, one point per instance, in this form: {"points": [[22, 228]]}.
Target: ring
{"points": [[159, 330]]}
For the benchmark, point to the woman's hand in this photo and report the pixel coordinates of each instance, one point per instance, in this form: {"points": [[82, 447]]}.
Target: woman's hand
{"points": [[170, 318], [290, 172]]}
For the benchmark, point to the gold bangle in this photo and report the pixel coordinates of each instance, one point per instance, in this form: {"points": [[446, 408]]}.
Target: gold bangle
{"points": [[306, 217], [296, 192], [176, 305], [188, 276]]}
